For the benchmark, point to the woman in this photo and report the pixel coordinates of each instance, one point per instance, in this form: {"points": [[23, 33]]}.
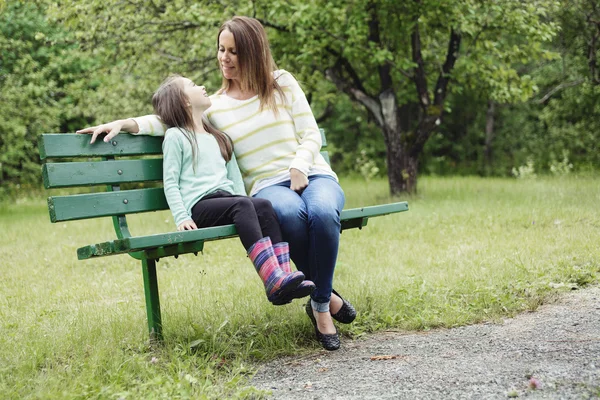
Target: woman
{"points": [[277, 145]]}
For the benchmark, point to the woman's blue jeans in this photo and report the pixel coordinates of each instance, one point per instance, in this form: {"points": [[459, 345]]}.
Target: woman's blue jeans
{"points": [[310, 223]]}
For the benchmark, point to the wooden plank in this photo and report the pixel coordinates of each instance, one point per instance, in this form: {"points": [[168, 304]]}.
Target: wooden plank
{"points": [[173, 238], [220, 232], [108, 249], [59, 145], [160, 245], [323, 138], [354, 223], [175, 250], [82, 206], [166, 244], [112, 172], [374, 211]]}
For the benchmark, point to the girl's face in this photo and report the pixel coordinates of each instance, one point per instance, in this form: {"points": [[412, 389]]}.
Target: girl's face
{"points": [[227, 56], [197, 94]]}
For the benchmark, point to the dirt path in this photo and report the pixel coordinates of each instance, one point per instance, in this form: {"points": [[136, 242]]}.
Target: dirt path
{"points": [[558, 345]]}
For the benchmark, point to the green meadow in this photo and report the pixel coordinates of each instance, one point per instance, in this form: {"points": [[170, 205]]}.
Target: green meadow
{"points": [[468, 250]]}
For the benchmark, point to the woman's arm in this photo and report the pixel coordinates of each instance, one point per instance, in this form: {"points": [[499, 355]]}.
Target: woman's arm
{"points": [[145, 125], [307, 132]]}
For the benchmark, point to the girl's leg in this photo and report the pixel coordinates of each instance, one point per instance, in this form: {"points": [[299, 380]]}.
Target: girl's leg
{"points": [[293, 220], [270, 227], [267, 218], [222, 208]]}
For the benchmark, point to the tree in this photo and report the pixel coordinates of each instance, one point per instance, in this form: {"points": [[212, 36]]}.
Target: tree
{"points": [[398, 60]]}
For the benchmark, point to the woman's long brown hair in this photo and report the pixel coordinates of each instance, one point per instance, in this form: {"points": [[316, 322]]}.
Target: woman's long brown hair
{"points": [[255, 60], [171, 105]]}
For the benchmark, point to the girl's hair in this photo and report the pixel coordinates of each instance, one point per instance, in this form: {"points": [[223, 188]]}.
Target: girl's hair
{"points": [[172, 106], [256, 64]]}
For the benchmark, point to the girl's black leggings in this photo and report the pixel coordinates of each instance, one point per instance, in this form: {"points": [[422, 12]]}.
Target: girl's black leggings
{"points": [[253, 218]]}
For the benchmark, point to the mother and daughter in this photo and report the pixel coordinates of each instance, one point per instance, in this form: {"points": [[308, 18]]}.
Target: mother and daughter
{"points": [[259, 120]]}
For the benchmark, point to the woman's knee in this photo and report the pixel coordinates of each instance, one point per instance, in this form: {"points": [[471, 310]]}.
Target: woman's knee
{"points": [[323, 209], [288, 206]]}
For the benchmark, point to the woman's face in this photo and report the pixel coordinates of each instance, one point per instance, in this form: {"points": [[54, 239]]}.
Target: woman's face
{"points": [[227, 56], [196, 94]]}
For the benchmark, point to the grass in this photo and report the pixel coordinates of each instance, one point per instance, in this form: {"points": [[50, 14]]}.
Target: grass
{"points": [[469, 250]]}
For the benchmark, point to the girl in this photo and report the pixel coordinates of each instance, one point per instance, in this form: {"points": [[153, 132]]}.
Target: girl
{"points": [[203, 186]]}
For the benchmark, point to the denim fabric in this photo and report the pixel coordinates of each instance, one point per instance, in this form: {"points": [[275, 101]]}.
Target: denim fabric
{"points": [[310, 222], [319, 307]]}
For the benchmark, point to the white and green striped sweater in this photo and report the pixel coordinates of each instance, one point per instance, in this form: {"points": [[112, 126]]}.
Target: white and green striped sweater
{"points": [[266, 145]]}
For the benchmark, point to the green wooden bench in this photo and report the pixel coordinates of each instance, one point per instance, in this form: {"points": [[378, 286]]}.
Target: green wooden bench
{"points": [[130, 159]]}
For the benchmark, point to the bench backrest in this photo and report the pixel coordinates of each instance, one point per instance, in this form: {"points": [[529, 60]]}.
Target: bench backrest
{"points": [[126, 159]]}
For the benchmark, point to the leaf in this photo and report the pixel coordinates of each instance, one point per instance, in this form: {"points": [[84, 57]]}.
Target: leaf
{"points": [[386, 357]]}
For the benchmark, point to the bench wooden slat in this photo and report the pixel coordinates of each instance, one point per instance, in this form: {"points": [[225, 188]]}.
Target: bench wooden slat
{"points": [[374, 211], [82, 206], [110, 172], [59, 145], [323, 138], [351, 218]]}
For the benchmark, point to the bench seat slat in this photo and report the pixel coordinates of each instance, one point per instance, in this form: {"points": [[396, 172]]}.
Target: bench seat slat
{"points": [[82, 206], [111, 172], [60, 145], [374, 211], [351, 218]]}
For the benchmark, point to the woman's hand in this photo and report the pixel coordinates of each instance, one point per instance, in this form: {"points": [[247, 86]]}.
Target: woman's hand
{"points": [[298, 180], [187, 225], [113, 129]]}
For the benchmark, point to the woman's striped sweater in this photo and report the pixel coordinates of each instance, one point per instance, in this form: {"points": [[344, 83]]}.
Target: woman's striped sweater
{"points": [[266, 144]]}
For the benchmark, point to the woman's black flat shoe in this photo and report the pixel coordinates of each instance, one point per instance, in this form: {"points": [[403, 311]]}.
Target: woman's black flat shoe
{"points": [[328, 341], [346, 314]]}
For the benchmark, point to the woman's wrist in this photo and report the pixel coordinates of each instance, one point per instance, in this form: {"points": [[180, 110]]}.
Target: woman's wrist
{"points": [[296, 171], [129, 125]]}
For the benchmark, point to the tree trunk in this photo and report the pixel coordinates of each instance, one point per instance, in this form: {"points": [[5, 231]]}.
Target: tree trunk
{"points": [[402, 166], [489, 133]]}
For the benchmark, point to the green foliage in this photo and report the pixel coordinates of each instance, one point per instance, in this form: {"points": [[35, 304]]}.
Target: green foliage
{"points": [[497, 37], [501, 37], [40, 74], [309, 37], [74, 63], [560, 121]]}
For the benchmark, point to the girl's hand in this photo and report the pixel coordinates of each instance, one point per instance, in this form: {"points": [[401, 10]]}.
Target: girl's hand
{"points": [[298, 180], [113, 129], [188, 225]]}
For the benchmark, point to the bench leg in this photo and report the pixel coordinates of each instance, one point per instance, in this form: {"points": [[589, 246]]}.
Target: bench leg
{"points": [[152, 301]]}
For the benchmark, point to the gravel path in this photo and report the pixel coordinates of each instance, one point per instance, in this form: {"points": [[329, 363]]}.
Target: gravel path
{"points": [[558, 347]]}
